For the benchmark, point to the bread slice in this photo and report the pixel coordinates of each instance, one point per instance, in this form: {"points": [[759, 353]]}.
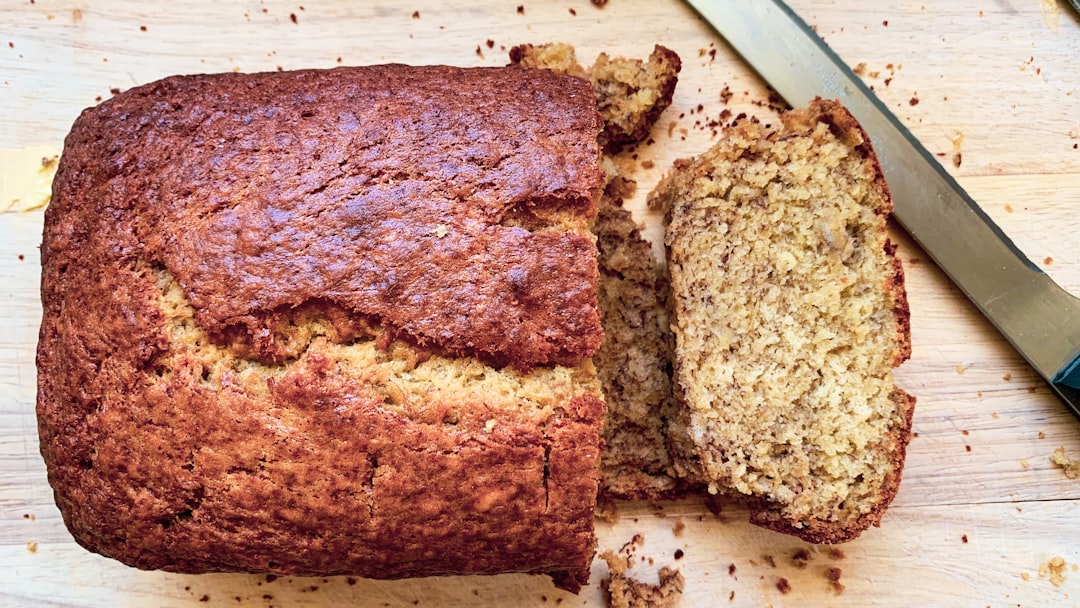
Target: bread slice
{"points": [[789, 314], [634, 361]]}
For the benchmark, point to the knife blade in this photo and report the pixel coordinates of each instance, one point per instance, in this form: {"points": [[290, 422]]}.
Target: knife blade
{"points": [[1039, 318]]}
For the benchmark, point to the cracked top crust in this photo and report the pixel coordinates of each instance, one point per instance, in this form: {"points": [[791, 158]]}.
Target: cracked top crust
{"points": [[278, 310], [448, 204]]}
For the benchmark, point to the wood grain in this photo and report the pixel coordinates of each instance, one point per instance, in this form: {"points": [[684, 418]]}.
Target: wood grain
{"points": [[994, 82]]}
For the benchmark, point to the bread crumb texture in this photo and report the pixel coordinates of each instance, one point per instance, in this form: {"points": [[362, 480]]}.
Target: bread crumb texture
{"points": [[789, 314], [1054, 570], [1068, 466], [634, 361]]}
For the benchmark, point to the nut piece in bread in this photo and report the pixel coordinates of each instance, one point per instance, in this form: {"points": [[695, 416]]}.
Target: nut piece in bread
{"points": [[789, 314]]}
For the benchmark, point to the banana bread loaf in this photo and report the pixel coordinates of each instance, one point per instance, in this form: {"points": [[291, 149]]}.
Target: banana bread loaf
{"points": [[630, 93], [789, 313], [328, 322]]}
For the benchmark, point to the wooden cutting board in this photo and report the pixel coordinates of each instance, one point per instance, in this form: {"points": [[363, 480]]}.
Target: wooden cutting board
{"points": [[989, 87]]}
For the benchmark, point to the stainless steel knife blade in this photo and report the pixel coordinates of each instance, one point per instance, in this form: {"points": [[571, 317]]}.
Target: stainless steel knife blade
{"points": [[1039, 318]]}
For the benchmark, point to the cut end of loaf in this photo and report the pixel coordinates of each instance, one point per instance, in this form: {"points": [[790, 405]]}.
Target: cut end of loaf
{"points": [[356, 345], [789, 314], [630, 93]]}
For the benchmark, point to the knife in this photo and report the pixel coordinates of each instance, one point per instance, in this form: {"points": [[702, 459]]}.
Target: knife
{"points": [[1039, 318]]}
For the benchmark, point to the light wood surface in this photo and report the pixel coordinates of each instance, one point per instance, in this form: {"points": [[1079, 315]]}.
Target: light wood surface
{"points": [[981, 507]]}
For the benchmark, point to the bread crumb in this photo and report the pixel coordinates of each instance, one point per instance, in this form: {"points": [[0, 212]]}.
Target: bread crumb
{"points": [[1048, 260], [1008, 208], [440, 230], [1070, 467], [1025, 576], [859, 69], [634, 543], [679, 527], [31, 547], [833, 576], [1054, 568]]}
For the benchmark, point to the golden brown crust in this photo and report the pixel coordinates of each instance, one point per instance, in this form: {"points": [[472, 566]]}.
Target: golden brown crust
{"points": [[233, 310]]}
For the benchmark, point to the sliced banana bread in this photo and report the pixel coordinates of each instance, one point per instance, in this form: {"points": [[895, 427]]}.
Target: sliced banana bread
{"points": [[789, 314]]}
